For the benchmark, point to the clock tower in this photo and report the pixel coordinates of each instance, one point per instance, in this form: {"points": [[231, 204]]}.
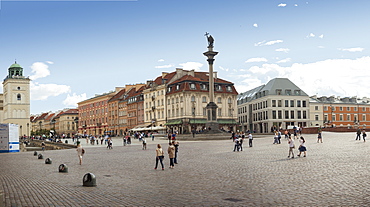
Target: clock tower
{"points": [[16, 99]]}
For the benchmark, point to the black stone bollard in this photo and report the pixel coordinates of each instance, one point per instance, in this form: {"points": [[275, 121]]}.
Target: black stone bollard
{"points": [[66, 142], [40, 156], [35, 153], [63, 168], [89, 180], [48, 161]]}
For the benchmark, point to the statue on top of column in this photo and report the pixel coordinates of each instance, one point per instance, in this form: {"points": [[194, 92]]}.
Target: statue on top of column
{"points": [[210, 39]]}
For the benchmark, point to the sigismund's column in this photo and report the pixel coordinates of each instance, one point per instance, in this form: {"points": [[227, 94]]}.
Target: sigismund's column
{"points": [[212, 124]]}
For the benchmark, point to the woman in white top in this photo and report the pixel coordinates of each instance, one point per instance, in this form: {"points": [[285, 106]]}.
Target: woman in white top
{"points": [[80, 152], [302, 147]]}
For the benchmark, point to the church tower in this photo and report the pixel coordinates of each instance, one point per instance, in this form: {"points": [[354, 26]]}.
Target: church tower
{"points": [[16, 99]]}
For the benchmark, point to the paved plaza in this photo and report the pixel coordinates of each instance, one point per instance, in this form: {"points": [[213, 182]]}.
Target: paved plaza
{"points": [[334, 173]]}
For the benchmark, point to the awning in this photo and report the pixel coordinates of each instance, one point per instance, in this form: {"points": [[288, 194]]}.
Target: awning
{"points": [[174, 122], [197, 121], [227, 121]]}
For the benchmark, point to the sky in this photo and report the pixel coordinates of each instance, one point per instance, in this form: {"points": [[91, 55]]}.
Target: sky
{"points": [[73, 50]]}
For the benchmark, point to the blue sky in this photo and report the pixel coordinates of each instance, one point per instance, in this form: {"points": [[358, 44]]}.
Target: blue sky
{"points": [[74, 50]]}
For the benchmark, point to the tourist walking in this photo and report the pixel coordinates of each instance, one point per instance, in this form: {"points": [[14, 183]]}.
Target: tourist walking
{"points": [[241, 139], [364, 135], [80, 152], [124, 141], [236, 144], [171, 154], [279, 137], [358, 134], [276, 138], [159, 156], [144, 143], [176, 145], [319, 137], [302, 147], [43, 146], [250, 138], [291, 147]]}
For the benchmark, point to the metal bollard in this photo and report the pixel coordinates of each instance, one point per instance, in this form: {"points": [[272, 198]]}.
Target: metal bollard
{"points": [[63, 168], [48, 161], [89, 180], [40, 156], [35, 153]]}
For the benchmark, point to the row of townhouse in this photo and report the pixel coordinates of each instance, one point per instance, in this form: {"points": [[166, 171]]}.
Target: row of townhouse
{"points": [[173, 101], [61, 123], [281, 104]]}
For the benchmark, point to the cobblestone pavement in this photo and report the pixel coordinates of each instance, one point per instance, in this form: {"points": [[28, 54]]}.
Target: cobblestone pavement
{"points": [[334, 173]]}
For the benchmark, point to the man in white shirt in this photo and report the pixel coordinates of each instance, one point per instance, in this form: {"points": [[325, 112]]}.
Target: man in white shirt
{"points": [[291, 146], [250, 138]]}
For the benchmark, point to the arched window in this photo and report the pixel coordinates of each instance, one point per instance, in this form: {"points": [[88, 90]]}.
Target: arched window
{"points": [[204, 99], [229, 100], [193, 99], [19, 97]]}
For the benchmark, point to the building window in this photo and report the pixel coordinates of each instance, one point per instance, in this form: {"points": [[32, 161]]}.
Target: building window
{"points": [[192, 86], [278, 91], [299, 115], [177, 87], [19, 97], [347, 108], [228, 88], [204, 112], [218, 88], [177, 99], [204, 99], [363, 117], [218, 100], [229, 101], [348, 117], [19, 88], [219, 112], [340, 117], [316, 117], [333, 117], [298, 103], [286, 103], [273, 103], [292, 114], [340, 108], [273, 114], [192, 98], [279, 115], [316, 108], [286, 114], [291, 103], [279, 103], [288, 92], [297, 92], [168, 101], [181, 98]]}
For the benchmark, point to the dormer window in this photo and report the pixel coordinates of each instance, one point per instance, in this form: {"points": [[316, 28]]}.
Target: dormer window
{"points": [[169, 89], [218, 88], [297, 92], [228, 88], [288, 92], [204, 87], [192, 86], [177, 87], [278, 91]]}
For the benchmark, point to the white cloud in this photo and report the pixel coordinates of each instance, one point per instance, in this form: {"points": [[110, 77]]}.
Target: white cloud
{"points": [[281, 5], [255, 25], [165, 66], [40, 70], [191, 65], [295, 4], [254, 60], [354, 49], [268, 43], [286, 50], [224, 69], [284, 60], [73, 99], [49, 62], [320, 46], [350, 76], [43, 91], [311, 35], [321, 36], [160, 60]]}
